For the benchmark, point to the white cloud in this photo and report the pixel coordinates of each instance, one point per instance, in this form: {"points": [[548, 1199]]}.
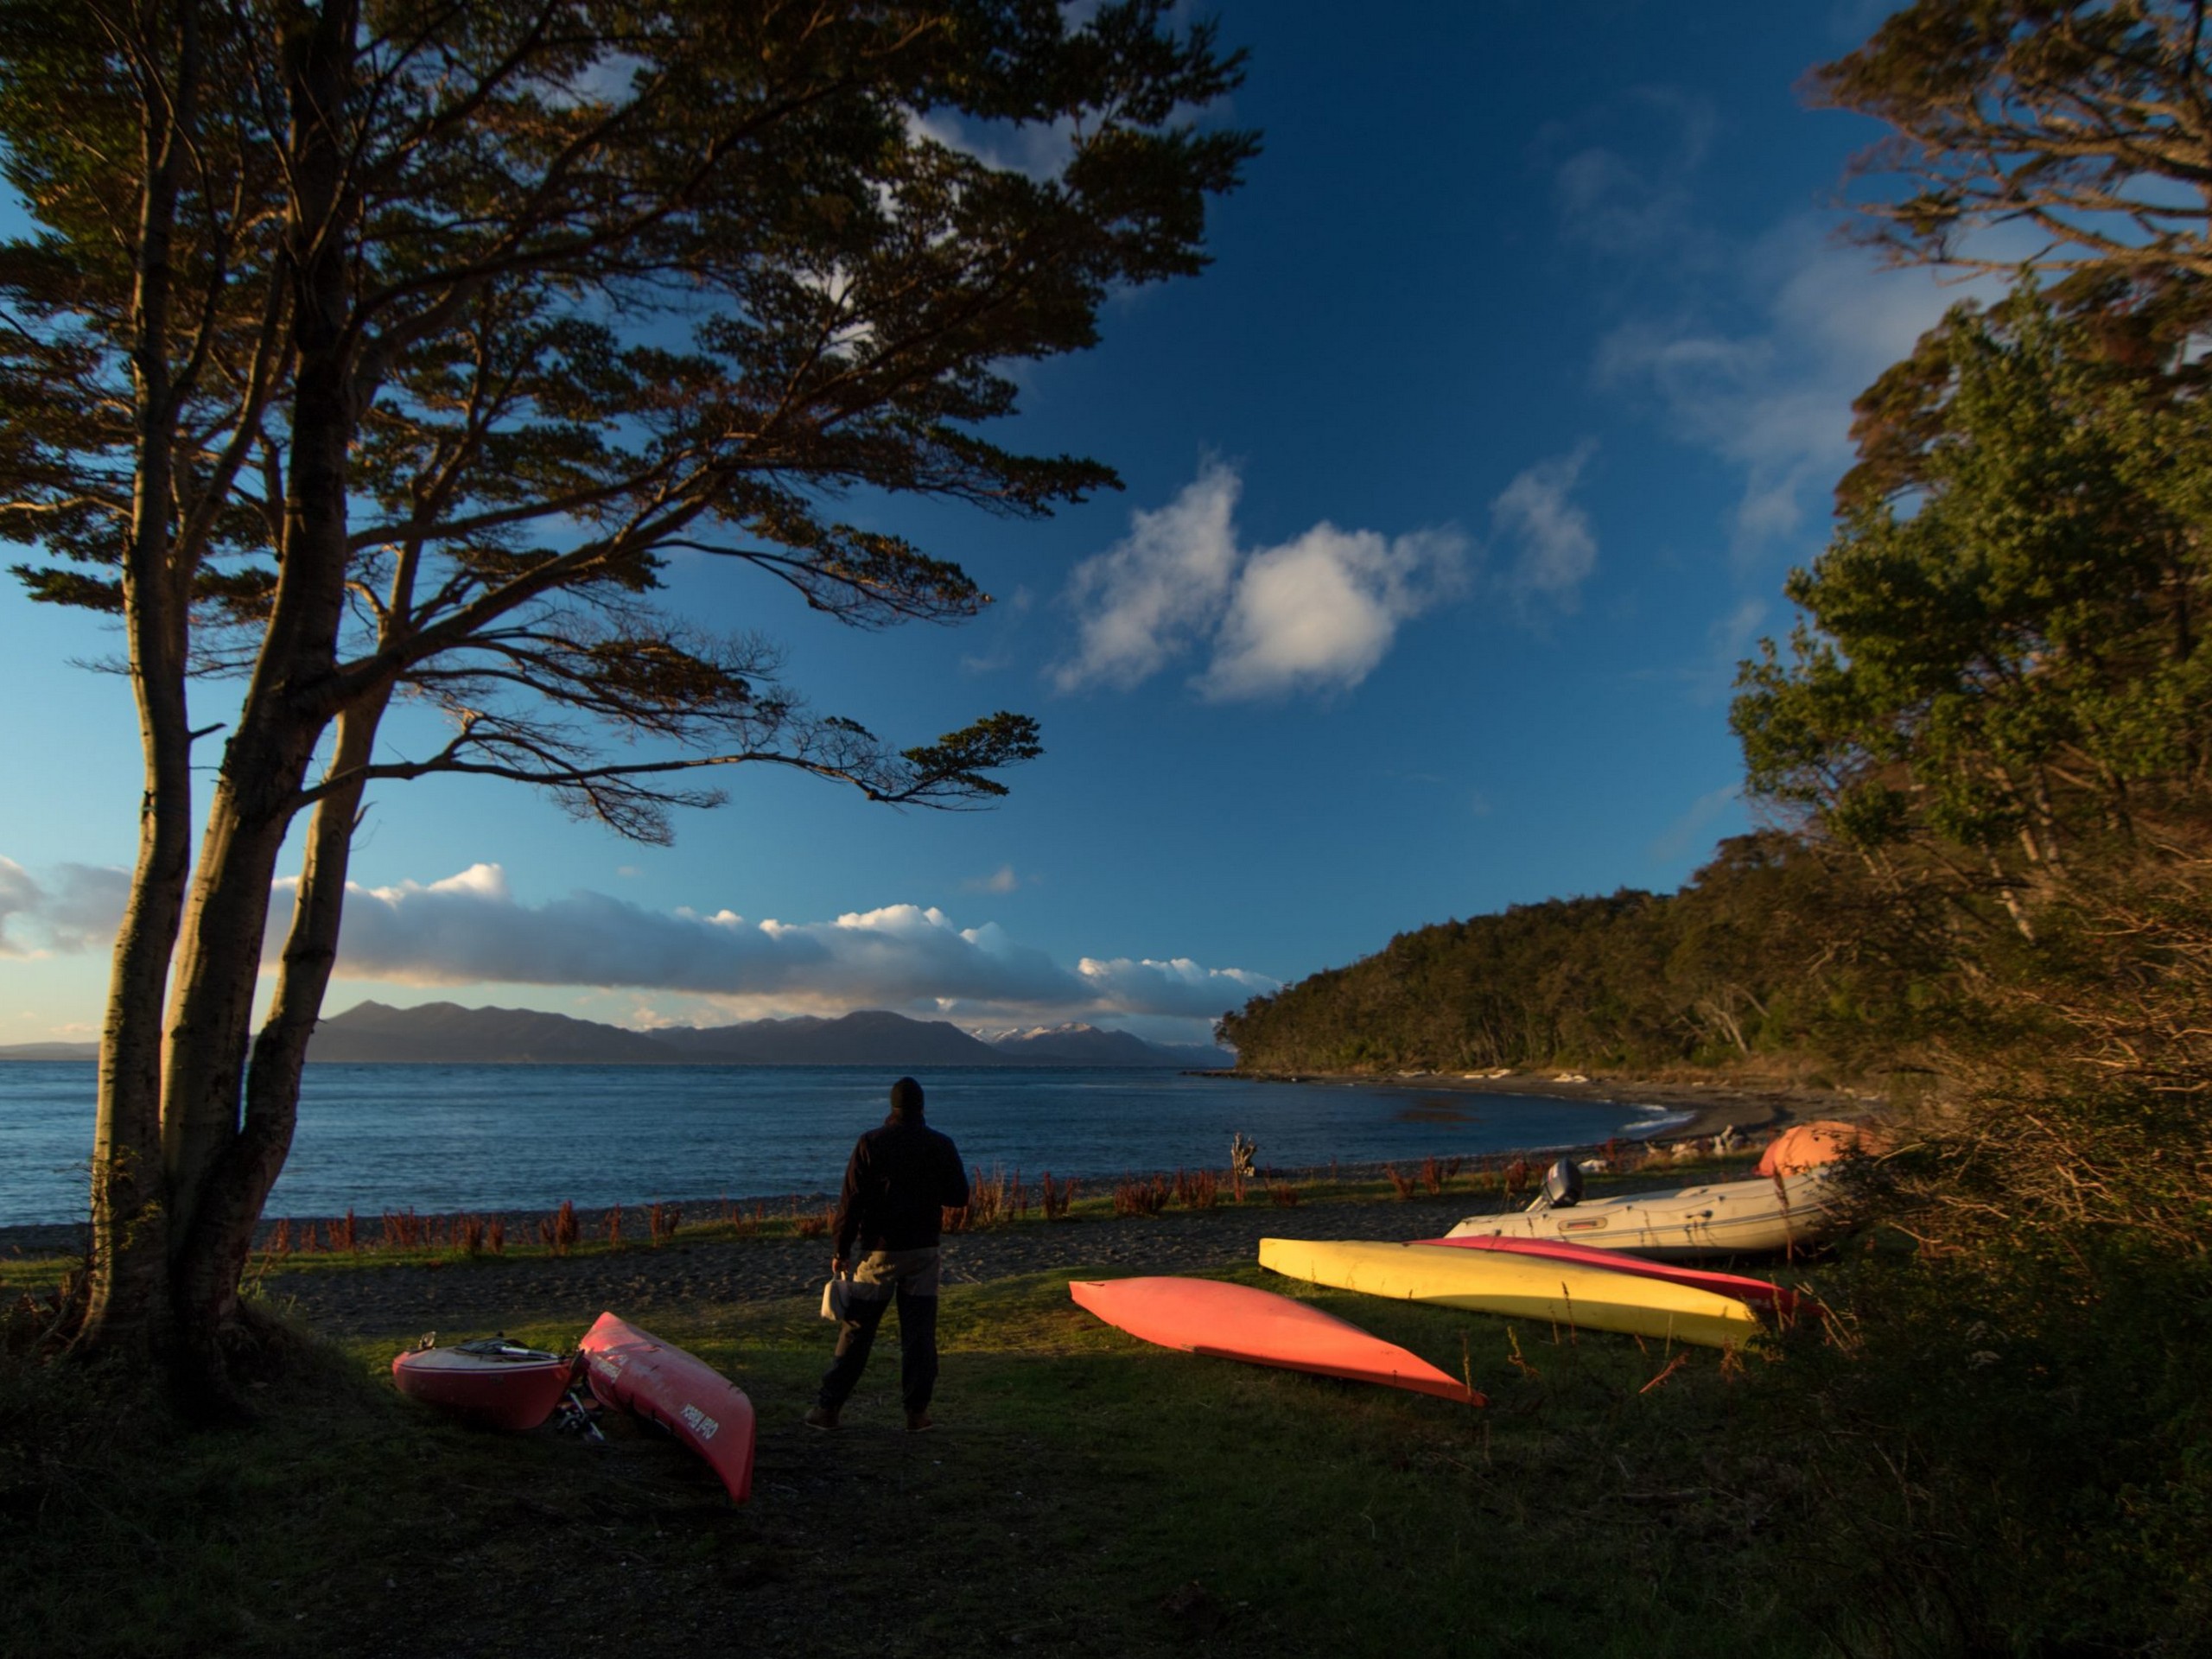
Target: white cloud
{"points": [[1002, 879], [1315, 613], [1145, 598], [1179, 986], [1686, 832], [1318, 613], [77, 908], [1037, 150], [1776, 401], [1639, 203], [1555, 550], [1633, 195]]}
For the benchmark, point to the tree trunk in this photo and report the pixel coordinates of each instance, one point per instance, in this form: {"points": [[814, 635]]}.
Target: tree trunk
{"points": [[289, 705], [238, 1182], [130, 1216]]}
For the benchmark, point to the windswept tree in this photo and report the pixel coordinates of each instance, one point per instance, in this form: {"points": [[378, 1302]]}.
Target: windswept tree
{"points": [[2087, 125], [2003, 680], [385, 350], [1999, 698]]}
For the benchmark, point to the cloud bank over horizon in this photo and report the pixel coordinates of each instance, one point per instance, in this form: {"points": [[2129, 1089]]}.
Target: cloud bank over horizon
{"points": [[471, 928]]}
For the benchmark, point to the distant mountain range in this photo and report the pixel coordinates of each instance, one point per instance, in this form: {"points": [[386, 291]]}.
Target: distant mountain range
{"points": [[446, 1033], [50, 1052]]}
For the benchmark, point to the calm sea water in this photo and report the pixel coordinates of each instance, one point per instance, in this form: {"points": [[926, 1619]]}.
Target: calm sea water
{"points": [[447, 1138]]}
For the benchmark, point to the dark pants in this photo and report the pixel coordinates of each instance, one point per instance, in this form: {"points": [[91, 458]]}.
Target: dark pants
{"points": [[916, 1330]]}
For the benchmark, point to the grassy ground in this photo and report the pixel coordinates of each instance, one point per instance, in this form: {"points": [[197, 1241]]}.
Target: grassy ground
{"points": [[1086, 1494]]}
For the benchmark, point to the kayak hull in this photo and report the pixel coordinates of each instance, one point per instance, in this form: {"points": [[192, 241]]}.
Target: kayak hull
{"points": [[1722, 1218], [635, 1371], [1775, 1301], [1517, 1286], [1203, 1316], [483, 1388]]}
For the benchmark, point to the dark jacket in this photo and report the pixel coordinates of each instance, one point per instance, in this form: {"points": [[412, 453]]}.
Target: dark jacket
{"points": [[900, 1178]]}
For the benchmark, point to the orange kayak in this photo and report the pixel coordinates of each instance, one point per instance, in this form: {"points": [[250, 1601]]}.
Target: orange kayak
{"points": [[499, 1384], [1203, 1316], [1755, 1293], [635, 1371]]}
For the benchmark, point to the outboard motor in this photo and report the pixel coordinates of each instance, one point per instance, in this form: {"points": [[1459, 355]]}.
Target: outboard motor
{"points": [[1563, 1184]]}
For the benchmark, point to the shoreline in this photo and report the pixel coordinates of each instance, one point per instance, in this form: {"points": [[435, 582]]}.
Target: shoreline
{"points": [[1714, 1109]]}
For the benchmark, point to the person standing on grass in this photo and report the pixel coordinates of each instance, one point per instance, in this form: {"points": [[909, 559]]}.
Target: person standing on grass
{"points": [[900, 1181]]}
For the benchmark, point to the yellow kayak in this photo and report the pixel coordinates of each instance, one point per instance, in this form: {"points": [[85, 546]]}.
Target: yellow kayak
{"points": [[1527, 1287]]}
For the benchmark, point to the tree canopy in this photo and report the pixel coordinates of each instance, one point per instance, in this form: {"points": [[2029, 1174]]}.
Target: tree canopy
{"points": [[2003, 664], [1766, 955], [2087, 124], [392, 349]]}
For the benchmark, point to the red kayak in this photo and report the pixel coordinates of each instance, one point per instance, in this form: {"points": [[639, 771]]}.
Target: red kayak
{"points": [[637, 1372], [1203, 1316], [498, 1383], [1756, 1293]]}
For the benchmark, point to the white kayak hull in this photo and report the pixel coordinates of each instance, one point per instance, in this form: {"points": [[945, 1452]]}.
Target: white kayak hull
{"points": [[1725, 1218]]}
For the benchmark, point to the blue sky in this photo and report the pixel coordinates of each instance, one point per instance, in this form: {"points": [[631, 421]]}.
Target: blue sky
{"points": [[1455, 489]]}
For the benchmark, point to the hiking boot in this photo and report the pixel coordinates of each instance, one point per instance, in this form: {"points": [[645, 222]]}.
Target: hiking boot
{"points": [[823, 1417], [919, 1422]]}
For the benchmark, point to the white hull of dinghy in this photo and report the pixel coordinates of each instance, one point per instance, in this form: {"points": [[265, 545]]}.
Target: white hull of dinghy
{"points": [[1726, 1218]]}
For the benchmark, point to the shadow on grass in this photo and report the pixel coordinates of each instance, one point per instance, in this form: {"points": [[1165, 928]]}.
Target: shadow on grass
{"points": [[1086, 1494]]}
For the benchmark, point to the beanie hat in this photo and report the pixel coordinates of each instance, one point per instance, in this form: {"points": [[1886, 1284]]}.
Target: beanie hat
{"points": [[906, 1098]]}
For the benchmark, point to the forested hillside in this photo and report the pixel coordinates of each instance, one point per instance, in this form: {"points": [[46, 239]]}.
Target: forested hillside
{"points": [[1767, 954]]}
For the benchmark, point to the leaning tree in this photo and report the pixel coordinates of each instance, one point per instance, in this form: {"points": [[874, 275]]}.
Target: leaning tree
{"points": [[386, 351], [2083, 125]]}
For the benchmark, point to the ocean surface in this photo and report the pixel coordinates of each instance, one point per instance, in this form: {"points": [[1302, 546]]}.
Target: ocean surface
{"points": [[441, 1139]]}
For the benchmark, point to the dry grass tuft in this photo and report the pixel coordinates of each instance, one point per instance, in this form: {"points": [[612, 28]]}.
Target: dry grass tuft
{"points": [[1147, 1198], [1055, 1200], [1197, 1189], [559, 1231]]}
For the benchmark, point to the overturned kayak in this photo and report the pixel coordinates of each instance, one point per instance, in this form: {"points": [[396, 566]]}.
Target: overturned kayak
{"points": [[1202, 1316], [495, 1383], [635, 1371], [1518, 1286], [1755, 1293], [1724, 1218]]}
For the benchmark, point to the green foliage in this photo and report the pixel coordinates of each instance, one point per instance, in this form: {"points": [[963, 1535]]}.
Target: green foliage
{"points": [[2004, 671], [619, 283], [1770, 951], [2001, 697]]}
